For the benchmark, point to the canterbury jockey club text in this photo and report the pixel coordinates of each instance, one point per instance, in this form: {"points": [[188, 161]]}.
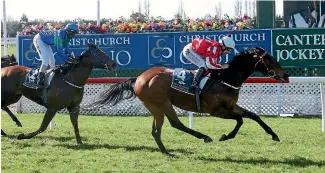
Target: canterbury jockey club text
{"points": [[314, 47]]}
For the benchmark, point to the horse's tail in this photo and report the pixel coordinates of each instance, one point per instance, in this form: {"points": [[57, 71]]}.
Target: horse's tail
{"points": [[115, 93]]}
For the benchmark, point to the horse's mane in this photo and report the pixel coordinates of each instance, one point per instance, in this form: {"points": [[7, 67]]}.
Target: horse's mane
{"points": [[78, 58], [238, 61]]}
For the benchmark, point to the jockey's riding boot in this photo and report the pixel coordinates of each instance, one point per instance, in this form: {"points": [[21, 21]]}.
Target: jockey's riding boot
{"points": [[41, 78], [197, 78]]}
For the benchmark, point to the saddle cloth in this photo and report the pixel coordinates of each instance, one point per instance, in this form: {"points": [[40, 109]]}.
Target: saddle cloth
{"points": [[182, 80], [31, 79]]}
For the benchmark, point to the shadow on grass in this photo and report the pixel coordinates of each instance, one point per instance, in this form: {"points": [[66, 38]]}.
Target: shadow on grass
{"points": [[126, 147], [55, 138], [297, 161]]}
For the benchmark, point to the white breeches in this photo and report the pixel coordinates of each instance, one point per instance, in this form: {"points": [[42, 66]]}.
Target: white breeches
{"points": [[45, 52], [193, 57]]}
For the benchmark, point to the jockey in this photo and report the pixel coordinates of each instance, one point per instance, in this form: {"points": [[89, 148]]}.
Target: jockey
{"points": [[60, 39], [206, 54]]}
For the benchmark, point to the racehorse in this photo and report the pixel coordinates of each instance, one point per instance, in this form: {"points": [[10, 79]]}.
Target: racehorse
{"points": [[9, 60], [293, 7], [219, 96], [65, 89]]}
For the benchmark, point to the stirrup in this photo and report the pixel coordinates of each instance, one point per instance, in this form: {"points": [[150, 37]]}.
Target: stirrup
{"points": [[197, 100], [196, 86]]}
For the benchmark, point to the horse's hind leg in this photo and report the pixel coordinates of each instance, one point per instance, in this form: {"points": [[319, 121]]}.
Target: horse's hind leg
{"points": [[253, 116], [13, 117], [158, 121], [50, 113], [176, 123]]}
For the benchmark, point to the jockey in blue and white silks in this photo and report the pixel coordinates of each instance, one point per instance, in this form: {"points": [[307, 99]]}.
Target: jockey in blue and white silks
{"points": [[60, 39]]}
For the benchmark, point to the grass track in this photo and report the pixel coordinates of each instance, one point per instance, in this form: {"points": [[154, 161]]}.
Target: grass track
{"points": [[11, 50], [125, 144]]}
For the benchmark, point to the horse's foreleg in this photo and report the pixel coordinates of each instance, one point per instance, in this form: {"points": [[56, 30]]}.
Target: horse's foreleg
{"points": [[229, 114], [13, 117], [234, 132], [74, 114], [50, 113], [253, 116], [176, 123]]}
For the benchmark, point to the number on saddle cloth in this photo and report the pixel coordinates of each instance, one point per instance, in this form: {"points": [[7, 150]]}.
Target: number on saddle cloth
{"points": [[182, 80], [31, 79]]}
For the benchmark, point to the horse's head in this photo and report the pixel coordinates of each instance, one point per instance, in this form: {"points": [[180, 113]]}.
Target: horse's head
{"points": [[95, 57], [266, 64]]}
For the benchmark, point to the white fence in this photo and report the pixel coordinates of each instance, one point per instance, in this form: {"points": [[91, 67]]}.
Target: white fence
{"points": [[10, 41]]}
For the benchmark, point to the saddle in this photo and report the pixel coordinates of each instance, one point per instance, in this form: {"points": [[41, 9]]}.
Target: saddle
{"points": [[31, 80], [182, 80]]}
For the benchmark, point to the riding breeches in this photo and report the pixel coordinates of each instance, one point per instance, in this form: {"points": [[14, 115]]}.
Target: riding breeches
{"points": [[45, 52], [193, 57]]}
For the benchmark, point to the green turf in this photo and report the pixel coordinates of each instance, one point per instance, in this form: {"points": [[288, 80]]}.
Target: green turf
{"points": [[125, 144], [11, 50]]}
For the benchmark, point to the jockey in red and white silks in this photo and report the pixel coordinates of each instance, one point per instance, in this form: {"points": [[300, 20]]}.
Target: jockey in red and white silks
{"points": [[206, 54]]}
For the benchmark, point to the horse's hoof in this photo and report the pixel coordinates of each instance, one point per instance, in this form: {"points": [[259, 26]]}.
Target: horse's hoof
{"points": [[21, 136], [79, 143], [275, 138], [223, 137], [19, 124], [208, 139], [171, 155]]}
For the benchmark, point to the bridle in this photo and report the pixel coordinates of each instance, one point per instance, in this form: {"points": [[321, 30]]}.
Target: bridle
{"points": [[270, 72], [93, 53]]}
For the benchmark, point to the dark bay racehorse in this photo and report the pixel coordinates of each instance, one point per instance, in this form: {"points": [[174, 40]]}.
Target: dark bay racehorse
{"points": [[219, 98], [66, 89], [9, 60]]}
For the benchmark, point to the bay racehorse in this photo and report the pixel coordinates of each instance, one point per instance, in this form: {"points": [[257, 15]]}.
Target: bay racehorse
{"points": [[9, 60], [219, 96], [64, 91]]}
